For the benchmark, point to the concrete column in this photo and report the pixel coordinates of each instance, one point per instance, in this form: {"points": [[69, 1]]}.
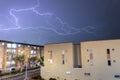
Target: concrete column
{"points": [[4, 56]]}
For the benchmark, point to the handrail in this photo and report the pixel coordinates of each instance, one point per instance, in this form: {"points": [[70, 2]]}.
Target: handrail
{"points": [[14, 76]]}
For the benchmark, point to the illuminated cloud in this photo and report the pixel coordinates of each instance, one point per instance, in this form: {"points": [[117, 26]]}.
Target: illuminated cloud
{"points": [[31, 18]]}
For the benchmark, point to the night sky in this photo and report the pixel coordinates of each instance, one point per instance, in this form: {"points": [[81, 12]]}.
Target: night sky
{"points": [[53, 21]]}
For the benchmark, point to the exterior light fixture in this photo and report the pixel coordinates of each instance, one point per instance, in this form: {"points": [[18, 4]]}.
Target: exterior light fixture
{"points": [[3, 43], [19, 45], [19, 50]]}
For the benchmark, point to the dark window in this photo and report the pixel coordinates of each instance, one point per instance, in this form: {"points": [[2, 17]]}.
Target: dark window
{"points": [[108, 51], [63, 62], [109, 62]]}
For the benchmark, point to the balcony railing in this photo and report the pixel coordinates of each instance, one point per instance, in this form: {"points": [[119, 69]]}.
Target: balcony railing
{"points": [[17, 75]]}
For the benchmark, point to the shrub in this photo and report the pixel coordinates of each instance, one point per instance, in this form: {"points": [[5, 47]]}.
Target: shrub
{"points": [[38, 77], [15, 71], [12, 70], [52, 79]]}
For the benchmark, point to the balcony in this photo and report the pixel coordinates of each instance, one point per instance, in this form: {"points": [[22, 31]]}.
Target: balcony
{"points": [[17, 75]]}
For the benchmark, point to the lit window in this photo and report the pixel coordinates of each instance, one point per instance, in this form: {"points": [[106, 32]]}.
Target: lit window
{"points": [[33, 53], [8, 45], [14, 45], [50, 59], [13, 51]]}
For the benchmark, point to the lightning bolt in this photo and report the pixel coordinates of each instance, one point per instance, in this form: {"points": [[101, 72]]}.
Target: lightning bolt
{"points": [[53, 22]]}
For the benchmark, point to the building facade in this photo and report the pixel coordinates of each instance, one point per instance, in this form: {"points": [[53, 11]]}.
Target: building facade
{"points": [[92, 60], [8, 51]]}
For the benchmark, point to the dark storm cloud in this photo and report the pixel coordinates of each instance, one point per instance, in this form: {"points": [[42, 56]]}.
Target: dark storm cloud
{"points": [[59, 21]]}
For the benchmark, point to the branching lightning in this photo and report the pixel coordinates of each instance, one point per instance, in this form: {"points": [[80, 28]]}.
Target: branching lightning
{"points": [[57, 25]]}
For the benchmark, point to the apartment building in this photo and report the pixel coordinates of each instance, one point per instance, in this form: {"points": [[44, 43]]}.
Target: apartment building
{"points": [[91, 60], [8, 51]]}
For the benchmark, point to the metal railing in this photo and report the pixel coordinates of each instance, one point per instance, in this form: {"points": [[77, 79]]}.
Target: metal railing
{"points": [[21, 75]]}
